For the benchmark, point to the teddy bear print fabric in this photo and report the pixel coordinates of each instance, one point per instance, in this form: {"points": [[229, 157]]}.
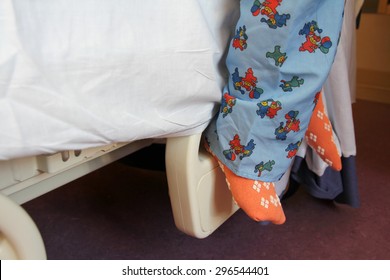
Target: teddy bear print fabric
{"points": [[278, 61]]}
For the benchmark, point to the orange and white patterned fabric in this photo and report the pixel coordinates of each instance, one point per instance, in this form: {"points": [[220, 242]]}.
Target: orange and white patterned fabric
{"points": [[319, 136], [258, 199]]}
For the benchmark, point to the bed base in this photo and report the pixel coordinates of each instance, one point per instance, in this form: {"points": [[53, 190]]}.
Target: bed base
{"points": [[200, 199], [52, 172], [27, 178]]}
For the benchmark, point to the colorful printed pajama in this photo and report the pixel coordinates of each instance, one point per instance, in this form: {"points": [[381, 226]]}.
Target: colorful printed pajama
{"points": [[278, 61]]}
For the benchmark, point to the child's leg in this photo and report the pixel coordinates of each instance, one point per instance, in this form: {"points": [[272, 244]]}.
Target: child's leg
{"points": [[278, 60], [258, 199]]}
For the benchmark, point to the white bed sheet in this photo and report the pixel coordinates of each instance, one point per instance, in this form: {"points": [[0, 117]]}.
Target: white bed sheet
{"points": [[77, 74]]}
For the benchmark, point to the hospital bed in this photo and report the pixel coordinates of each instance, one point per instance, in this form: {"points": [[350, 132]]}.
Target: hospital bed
{"points": [[85, 83]]}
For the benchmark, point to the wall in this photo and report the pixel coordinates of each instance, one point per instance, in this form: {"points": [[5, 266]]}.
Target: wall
{"points": [[373, 57]]}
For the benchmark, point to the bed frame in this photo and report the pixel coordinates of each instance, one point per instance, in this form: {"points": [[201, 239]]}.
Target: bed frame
{"points": [[200, 199]]}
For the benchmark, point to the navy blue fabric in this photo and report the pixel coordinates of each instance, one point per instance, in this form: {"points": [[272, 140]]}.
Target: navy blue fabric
{"points": [[340, 186]]}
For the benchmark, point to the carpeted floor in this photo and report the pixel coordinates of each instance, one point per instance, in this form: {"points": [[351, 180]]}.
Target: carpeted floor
{"points": [[123, 212]]}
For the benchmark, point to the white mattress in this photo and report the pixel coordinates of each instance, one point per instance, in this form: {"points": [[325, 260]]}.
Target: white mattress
{"points": [[77, 74]]}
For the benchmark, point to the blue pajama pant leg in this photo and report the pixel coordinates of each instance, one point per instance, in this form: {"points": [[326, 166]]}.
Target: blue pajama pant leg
{"points": [[278, 61]]}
